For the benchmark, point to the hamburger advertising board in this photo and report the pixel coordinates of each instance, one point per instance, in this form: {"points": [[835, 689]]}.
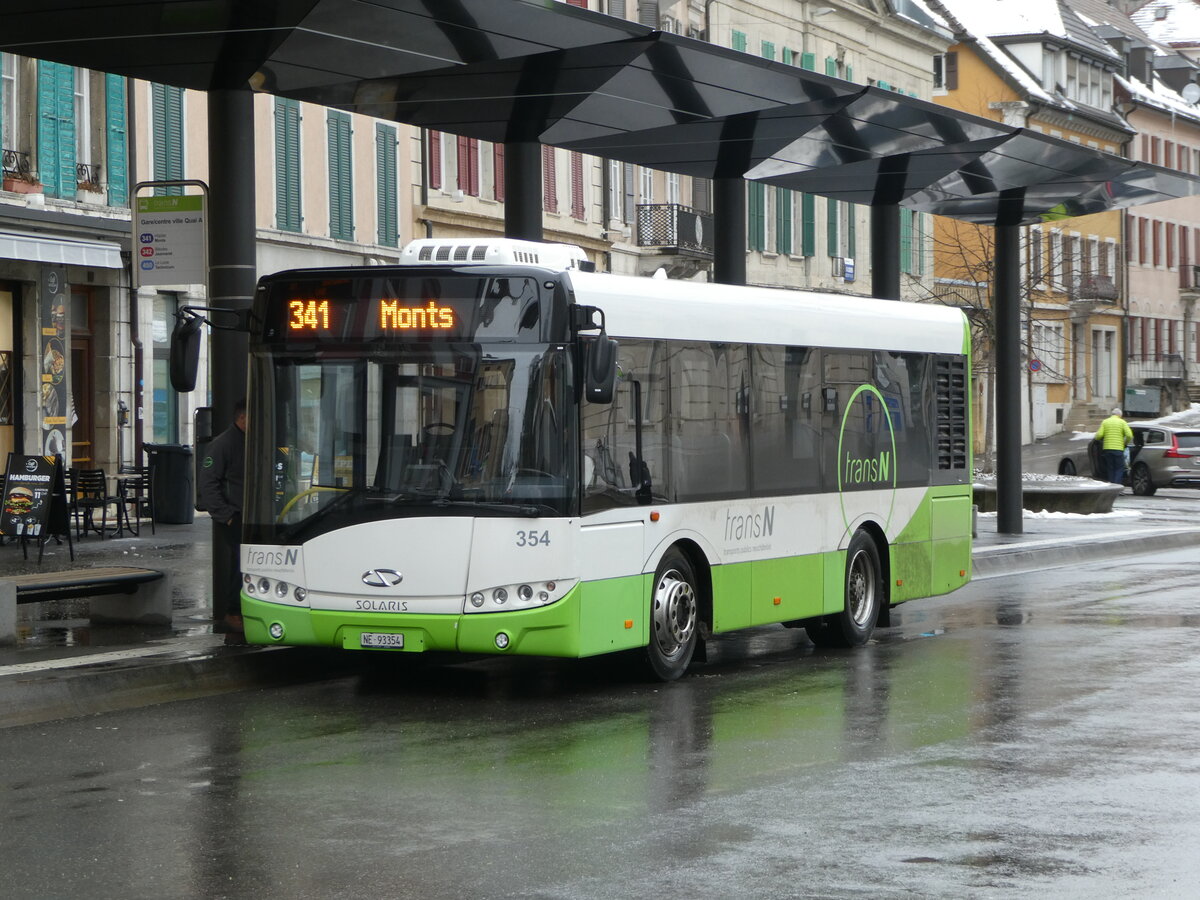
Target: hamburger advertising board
{"points": [[31, 485]]}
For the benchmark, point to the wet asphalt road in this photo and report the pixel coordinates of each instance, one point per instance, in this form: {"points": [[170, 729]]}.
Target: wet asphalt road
{"points": [[1028, 736]]}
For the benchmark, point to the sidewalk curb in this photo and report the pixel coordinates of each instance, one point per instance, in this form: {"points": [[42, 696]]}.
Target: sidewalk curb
{"points": [[1055, 553], [89, 688]]}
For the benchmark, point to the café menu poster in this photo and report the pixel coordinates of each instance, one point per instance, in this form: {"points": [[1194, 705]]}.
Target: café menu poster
{"points": [[54, 361], [29, 491]]}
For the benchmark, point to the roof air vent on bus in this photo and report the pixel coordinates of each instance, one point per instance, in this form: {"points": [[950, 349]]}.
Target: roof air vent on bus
{"points": [[497, 252]]}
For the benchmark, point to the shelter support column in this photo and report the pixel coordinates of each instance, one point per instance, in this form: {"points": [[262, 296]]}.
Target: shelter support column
{"points": [[523, 190], [885, 251], [1006, 314], [232, 264], [729, 223]]}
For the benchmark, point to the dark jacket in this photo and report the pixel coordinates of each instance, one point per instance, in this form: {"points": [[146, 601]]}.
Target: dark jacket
{"points": [[223, 473]]}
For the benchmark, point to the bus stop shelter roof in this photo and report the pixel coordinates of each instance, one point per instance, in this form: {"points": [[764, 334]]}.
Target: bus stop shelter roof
{"points": [[529, 70]]}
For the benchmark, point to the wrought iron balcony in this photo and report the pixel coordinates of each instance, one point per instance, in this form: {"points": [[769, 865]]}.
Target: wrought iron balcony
{"points": [[675, 227], [1154, 367], [17, 165], [87, 176], [1189, 278], [1095, 287]]}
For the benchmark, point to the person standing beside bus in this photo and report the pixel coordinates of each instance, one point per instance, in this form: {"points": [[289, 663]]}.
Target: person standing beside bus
{"points": [[222, 476], [1115, 435]]}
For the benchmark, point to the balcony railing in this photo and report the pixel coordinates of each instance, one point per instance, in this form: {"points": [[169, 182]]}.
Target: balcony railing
{"points": [[17, 165], [1145, 368], [1095, 287], [87, 176], [1189, 278], [675, 226]]}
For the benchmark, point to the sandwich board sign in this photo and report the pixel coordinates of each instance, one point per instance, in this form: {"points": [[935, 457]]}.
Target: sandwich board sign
{"points": [[35, 500]]}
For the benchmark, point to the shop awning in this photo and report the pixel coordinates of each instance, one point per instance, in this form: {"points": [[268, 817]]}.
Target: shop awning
{"points": [[60, 251]]}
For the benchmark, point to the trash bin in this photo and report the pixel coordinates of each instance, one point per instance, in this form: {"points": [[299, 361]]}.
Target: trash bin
{"points": [[171, 481]]}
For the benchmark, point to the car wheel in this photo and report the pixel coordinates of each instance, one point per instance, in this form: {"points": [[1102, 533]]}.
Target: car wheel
{"points": [[1066, 467], [674, 617], [854, 625], [1143, 484]]}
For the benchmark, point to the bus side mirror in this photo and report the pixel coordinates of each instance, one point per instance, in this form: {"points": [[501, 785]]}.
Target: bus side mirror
{"points": [[185, 352], [601, 369]]}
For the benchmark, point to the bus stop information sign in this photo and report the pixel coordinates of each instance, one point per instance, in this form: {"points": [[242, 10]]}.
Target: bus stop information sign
{"points": [[169, 234]]}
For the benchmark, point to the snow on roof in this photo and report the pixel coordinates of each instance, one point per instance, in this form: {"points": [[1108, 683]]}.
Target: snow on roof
{"points": [[1020, 18], [1160, 96], [1175, 22], [969, 17]]}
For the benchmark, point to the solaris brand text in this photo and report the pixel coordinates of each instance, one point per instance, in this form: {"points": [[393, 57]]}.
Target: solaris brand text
{"points": [[744, 526], [867, 471], [258, 559]]}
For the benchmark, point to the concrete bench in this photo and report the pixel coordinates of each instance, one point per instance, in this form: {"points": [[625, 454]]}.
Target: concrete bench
{"points": [[120, 594]]}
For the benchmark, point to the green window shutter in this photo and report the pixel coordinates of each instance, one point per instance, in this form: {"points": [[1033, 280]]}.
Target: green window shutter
{"points": [[788, 56], [783, 220], [341, 178], [116, 140], [919, 221], [831, 227], [884, 85], [768, 49], [166, 111], [851, 231], [808, 61], [385, 185], [756, 200], [849, 73], [808, 224], [56, 129], [906, 223], [831, 67], [739, 41], [287, 165]]}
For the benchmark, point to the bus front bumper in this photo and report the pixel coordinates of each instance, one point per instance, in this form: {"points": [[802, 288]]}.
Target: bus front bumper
{"points": [[545, 631]]}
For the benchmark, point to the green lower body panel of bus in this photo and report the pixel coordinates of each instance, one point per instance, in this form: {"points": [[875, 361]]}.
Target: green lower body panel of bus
{"points": [[596, 617]]}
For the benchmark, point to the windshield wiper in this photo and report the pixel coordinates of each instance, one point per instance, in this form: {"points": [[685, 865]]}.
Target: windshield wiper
{"points": [[518, 509]]}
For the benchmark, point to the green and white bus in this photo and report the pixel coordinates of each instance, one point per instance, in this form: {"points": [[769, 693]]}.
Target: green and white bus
{"points": [[491, 448]]}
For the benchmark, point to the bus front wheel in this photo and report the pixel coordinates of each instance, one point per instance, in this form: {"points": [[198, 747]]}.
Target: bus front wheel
{"points": [[674, 617], [853, 626]]}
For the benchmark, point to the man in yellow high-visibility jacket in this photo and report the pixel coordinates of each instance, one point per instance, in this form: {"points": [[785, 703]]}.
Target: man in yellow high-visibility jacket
{"points": [[1115, 435]]}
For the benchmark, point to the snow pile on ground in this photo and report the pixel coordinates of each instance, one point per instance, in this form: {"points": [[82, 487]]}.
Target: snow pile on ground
{"points": [[1091, 517]]}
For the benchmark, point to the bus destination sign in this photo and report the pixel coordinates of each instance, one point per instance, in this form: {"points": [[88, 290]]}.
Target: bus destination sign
{"points": [[312, 317]]}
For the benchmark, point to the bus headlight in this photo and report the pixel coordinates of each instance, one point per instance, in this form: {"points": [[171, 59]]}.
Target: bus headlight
{"points": [[514, 597]]}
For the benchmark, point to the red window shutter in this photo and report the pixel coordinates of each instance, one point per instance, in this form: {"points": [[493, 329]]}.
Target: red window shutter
{"points": [[1154, 144], [582, 4], [1168, 153], [464, 164], [1185, 241], [498, 170], [1170, 248], [473, 167], [1155, 240], [1143, 242], [577, 210], [435, 159], [1145, 148], [549, 181]]}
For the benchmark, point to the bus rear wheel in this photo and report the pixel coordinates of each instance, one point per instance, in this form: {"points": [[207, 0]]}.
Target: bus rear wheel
{"points": [[674, 617], [854, 625]]}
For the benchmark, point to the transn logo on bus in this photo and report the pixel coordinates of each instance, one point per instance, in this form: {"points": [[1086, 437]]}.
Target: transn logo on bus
{"points": [[866, 471]]}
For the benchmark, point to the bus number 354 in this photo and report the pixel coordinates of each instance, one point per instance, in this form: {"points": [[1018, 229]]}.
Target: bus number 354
{"points": [[533, 538]]}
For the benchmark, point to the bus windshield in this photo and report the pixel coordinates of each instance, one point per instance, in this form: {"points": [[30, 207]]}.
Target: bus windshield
{"points": [[409, 429]]}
